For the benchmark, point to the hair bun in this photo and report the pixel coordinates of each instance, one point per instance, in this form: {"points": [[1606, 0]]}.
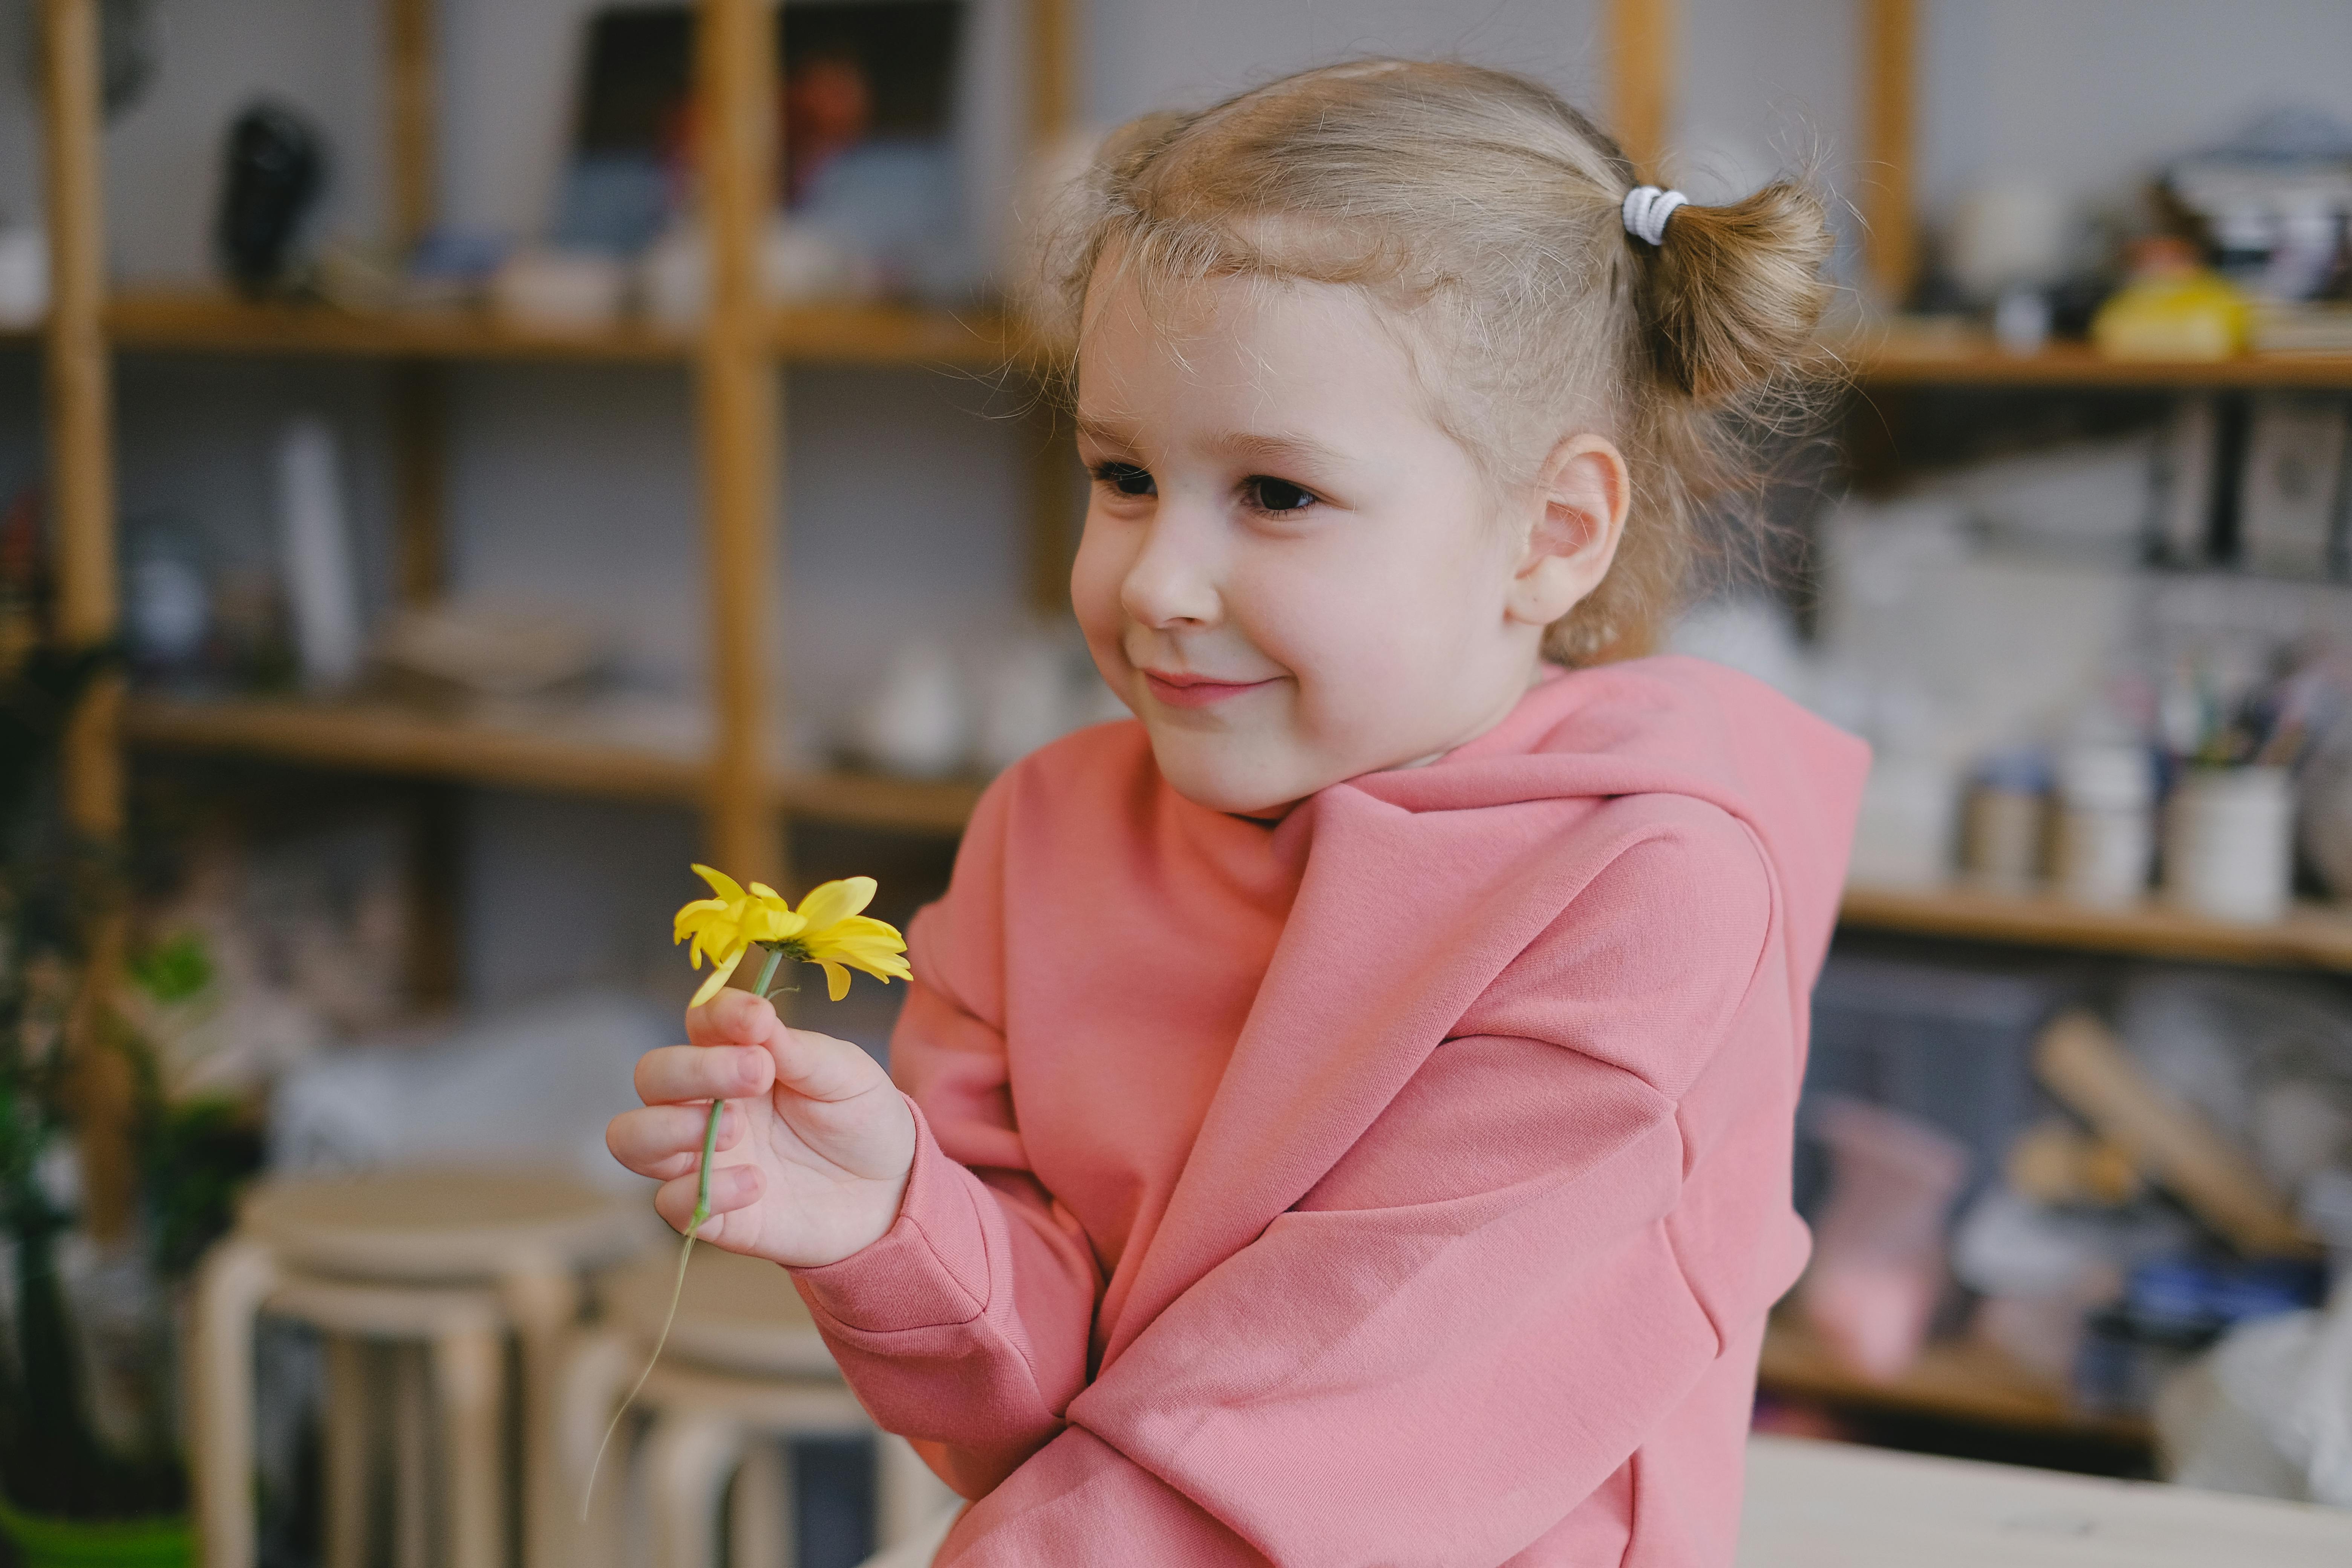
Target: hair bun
{"points": [[1732, 294]]}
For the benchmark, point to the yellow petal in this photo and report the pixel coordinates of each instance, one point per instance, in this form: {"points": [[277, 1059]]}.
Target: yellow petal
{"points": [[837, 981], [718, 981], [830, 901], [725, 886]]}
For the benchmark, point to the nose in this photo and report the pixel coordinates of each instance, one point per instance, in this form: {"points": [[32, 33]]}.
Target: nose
{"points": [[1173, 580]]}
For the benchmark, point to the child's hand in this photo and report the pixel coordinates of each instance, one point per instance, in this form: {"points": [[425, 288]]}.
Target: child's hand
{"points": [[813, 1147]]}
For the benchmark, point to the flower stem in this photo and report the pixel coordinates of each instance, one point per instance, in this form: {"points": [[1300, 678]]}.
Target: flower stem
{"points": [[693, 1228]]}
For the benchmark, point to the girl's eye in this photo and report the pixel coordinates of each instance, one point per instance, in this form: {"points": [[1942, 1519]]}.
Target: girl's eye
{"points": [[1126, 479], [1265, 493]]}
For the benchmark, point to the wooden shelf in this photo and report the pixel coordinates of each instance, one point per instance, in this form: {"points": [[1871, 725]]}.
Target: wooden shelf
{"points": [[1912, 357], [1959, 1379], [2315, 935], [206, 322], [383, 737]]}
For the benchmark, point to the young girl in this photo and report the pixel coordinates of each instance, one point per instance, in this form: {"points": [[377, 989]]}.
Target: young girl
{"points": [[1344, 1116]]}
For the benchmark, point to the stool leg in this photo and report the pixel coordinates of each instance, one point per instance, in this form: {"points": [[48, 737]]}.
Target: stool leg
{"points": [[541, 1301], [596, 1373], [687, 1459], [760, 1512], [411, 1440], [237, 1275], [466, 1379], [345, 1440], [907, 1496]]}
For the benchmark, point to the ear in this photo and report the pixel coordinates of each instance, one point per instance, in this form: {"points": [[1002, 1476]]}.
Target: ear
{"points": [[1580, 500]]}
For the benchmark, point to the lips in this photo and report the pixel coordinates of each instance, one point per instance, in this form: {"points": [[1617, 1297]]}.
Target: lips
{"points": [[1177, 690]]}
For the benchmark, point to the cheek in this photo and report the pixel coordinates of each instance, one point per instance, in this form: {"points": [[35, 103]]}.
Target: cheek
{"points": [[1095, 577]]}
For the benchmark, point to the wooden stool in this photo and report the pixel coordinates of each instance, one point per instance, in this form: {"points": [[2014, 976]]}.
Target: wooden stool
{"points": [[448, 1260], [744, 1373]]}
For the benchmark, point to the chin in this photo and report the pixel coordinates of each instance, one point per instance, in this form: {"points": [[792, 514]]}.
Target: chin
{"points": [[1207, 777]]}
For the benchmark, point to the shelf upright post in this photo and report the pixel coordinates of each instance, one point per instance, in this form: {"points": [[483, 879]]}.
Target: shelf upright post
{"points": [[1053, 479], [740, 407], [1890, 234], [1641, 54], [80, 410]]}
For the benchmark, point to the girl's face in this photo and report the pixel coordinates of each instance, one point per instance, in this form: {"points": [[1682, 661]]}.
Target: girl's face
{"points": [[1289, 571]]}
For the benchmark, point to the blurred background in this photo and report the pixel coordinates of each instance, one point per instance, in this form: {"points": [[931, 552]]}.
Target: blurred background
{"points": [[459, 463]]}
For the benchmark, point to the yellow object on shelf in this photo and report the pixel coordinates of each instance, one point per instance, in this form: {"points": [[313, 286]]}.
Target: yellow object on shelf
{"points": [[2189, 315]]}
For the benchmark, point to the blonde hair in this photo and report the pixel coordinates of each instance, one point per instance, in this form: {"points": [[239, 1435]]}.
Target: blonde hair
{"points": [[1486, 212]]}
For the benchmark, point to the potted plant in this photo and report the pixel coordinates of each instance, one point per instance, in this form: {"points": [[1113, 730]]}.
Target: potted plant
{"points": [[89, 1469]]}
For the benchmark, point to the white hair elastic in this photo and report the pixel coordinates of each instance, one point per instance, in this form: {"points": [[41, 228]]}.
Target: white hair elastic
{"points": [[1647, 208]]}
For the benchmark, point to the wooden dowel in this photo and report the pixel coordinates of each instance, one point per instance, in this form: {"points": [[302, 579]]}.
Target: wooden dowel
{"points": [[1052, 96], [413, 93], [1640, 55], [741, 405], [1890, 225]]}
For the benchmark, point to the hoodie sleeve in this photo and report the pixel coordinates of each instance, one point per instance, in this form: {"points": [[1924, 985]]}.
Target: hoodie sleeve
{"points": [[965, 1328], [1574, 1214]]}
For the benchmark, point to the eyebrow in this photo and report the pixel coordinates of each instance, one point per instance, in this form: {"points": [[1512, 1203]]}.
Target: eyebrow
{"points": [[1278, 448]]}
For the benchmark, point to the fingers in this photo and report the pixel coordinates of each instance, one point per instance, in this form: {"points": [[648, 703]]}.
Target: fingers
{"points": [[733, 1018], [666, 1141], [732, 1187], [683, 1073], [819, 1067]]}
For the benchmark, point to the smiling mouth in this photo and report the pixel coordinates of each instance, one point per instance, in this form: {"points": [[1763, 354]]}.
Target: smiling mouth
{"points": [[1178, 690]]}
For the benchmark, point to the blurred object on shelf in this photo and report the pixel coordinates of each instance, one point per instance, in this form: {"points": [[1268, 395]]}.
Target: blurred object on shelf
{"points": [[2228, 843], [2323, 812], [1878, 1269], [2267, 1061], [540, 1081], [2172, 308], [2056, 1162], [2188, 475], [2267, 1412], [2173, 1308], [2008, 234], [451, 268], [364, 278], [466, 649], [2313, 329], [2107, 822], [917, 722], [2272, 201], [1951, 1046], [561, 290], [1906, 832], [276, 170], [2292, 497], [2079, 1060], [24, 274], [2040, 1270], [868, 177], [2022, 321], [1025, 699], [166, 599], [2085, 501], [314, 534], [1750, 632], [2008, 819], [799, 264]]}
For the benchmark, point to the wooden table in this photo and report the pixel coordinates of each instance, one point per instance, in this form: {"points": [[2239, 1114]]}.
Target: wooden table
{"points": [[1834, 1505]]}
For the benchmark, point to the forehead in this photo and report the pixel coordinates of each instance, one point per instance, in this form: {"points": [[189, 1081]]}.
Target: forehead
{"points": [[1254, 348]]}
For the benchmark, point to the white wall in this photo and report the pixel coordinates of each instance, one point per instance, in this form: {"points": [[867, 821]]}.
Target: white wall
{"points": [[578, 483]]}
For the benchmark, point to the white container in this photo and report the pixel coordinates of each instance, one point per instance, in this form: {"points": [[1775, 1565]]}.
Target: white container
{"points": [[24, 275], [2229, 843], [2107, 824], [2005, 831], [560, 290], [1910, 810]]}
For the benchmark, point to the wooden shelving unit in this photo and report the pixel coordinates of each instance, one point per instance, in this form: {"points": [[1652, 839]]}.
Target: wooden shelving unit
{"points": [[731, 358], [559, 756], [1909, 356], [191, 322], [1958, 1380], [2314, 935]]}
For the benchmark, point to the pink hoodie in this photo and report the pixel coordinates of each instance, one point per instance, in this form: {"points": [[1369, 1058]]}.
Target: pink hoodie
{"points": [[1405, 1182]]}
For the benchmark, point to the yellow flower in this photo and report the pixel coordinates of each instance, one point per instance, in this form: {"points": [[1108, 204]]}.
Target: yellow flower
{"points": [[827, 930], [838, 938]]}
